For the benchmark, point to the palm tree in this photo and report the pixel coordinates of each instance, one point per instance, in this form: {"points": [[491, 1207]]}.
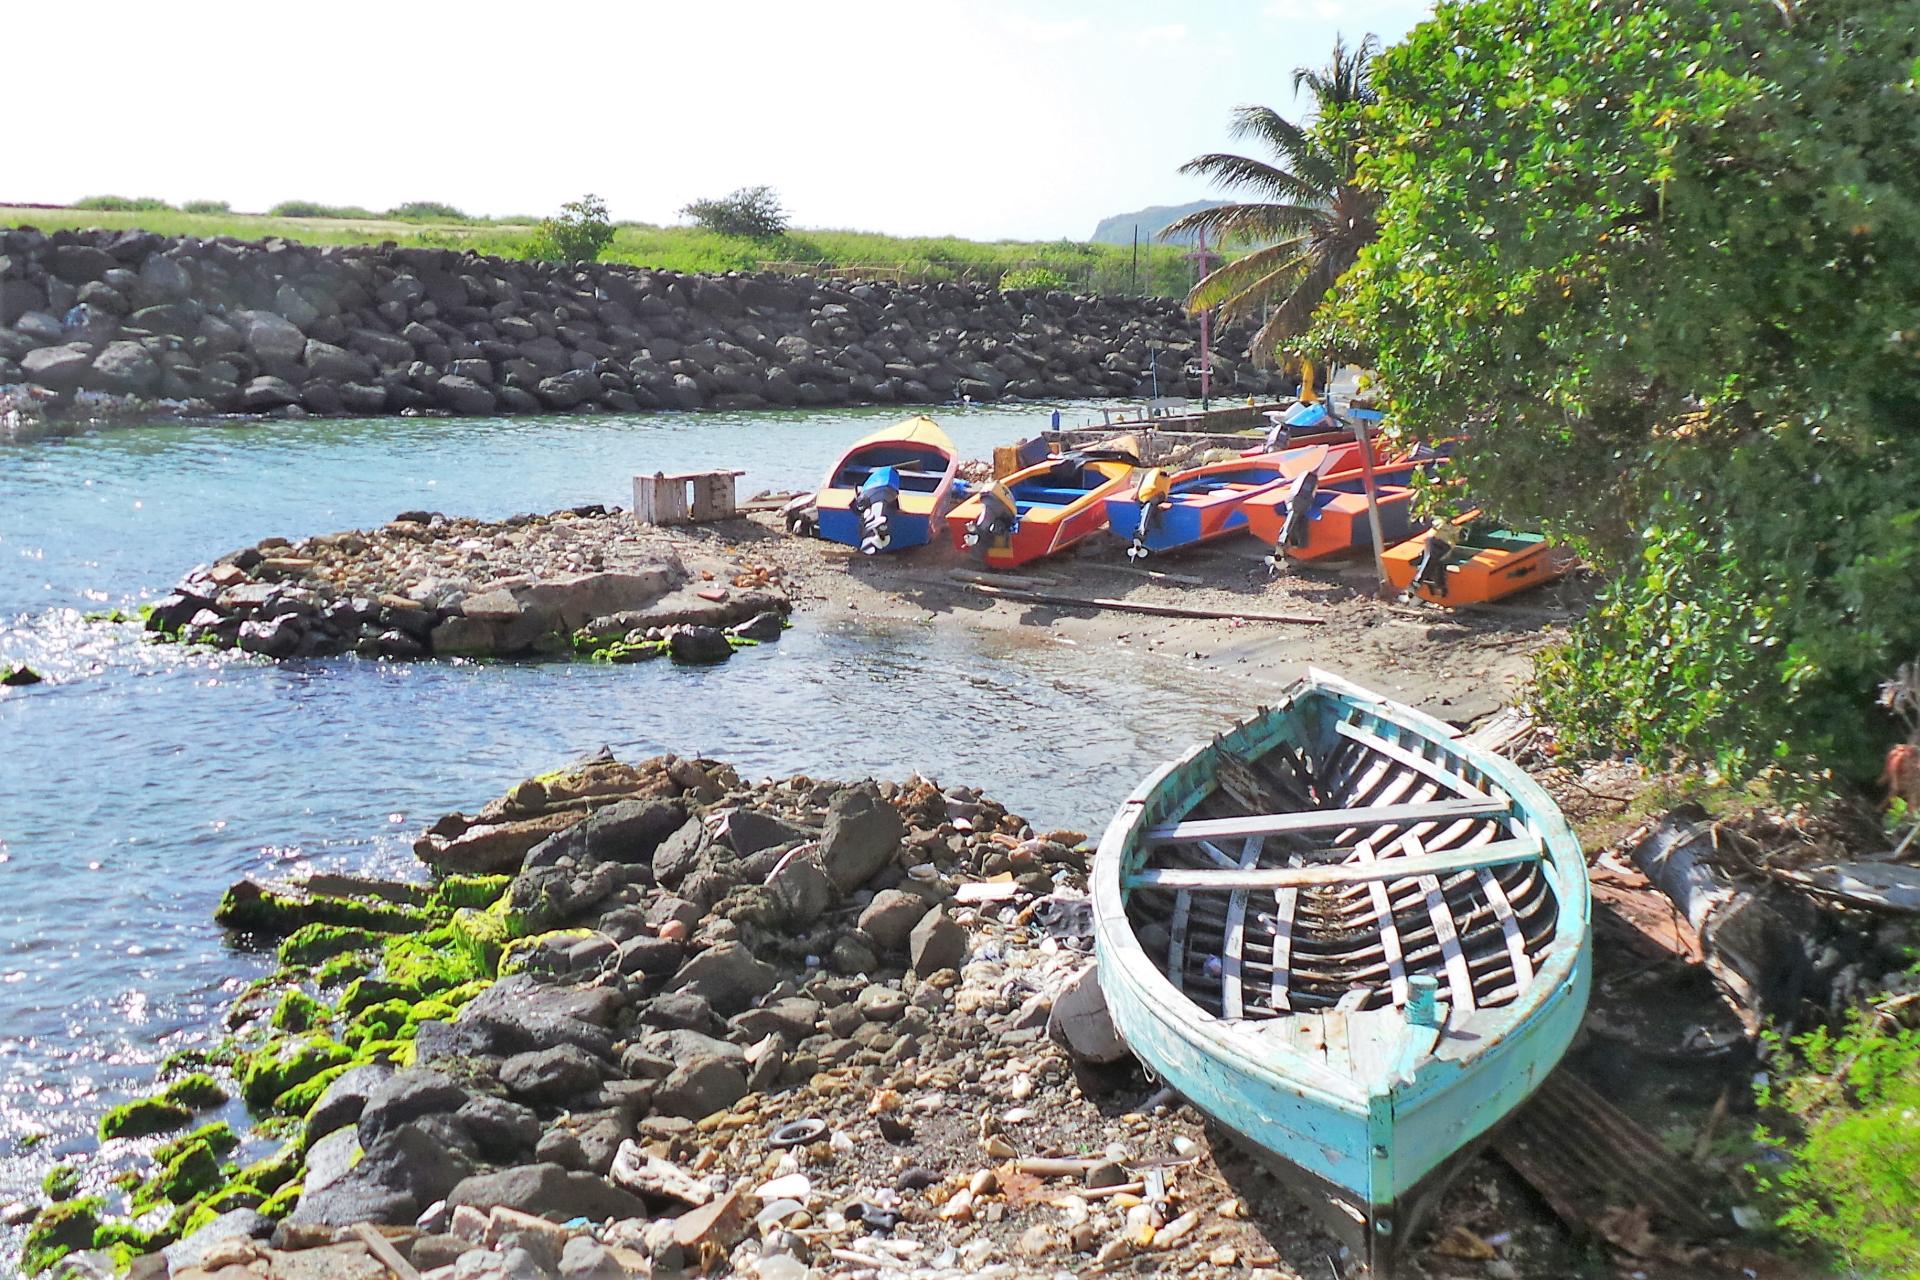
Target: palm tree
{"points": [[1313, 220]]}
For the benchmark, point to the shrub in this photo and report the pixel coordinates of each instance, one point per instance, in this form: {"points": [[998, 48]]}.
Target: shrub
{"points": [[314, 209], [1848, 1103], [206, 206], [123, 204], [426, 211], [1033, 278], [578, 233], [750, 212]]}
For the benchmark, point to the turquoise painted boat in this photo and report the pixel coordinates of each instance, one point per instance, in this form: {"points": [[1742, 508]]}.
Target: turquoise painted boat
{"points": [[1353, 939]]}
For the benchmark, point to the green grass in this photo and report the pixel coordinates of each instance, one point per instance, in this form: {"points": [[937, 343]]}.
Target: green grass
{"points": [[1084, 267]]}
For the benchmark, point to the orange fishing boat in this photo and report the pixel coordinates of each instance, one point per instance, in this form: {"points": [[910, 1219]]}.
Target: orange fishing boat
{"points": [[1474, 560], [1325, 515], [1044, 508]]}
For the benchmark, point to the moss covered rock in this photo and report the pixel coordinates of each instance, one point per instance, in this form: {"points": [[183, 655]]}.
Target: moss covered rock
{"points": [[458, 891], [217, 1137], [299, 1011], [199, 1091], [61, 1182], [192, 1172], [345, 967], [142, 1117], [258, 909], [274, 1171], [286, 1063], [313, 943], [60, 1229]]}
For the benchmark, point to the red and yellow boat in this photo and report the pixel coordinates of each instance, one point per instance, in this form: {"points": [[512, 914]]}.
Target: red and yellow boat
{"points": [[1317, 517], [1043, 508], [1473, 560]]}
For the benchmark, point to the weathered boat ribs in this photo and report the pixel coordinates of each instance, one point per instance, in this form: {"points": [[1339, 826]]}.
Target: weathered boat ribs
{"points": [[1475, 910]]}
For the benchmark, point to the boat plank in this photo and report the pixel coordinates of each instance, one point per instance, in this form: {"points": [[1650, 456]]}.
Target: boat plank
{"points": [[1234, 937], [1284, 901], [1412, 759], [1177, 948], [1496, 894], [1273, 824], [1343, 873]]}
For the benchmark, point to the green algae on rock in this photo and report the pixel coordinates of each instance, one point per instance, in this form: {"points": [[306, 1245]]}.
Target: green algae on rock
{"points": [[143, 1117]]}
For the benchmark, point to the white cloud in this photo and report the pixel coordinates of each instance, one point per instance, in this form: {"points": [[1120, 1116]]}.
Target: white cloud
{"points": [[1171, 33]]}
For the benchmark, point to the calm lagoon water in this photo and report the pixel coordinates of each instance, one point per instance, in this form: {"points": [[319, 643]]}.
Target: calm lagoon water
{"points": [[141, 780]]}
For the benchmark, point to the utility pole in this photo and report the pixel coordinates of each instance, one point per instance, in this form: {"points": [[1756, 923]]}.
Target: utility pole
{"points": [[1203, 267], [1133, 272]]}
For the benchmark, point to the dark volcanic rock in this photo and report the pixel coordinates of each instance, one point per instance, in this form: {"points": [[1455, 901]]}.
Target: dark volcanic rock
{"points": [[548, 1191], [625, 832], [729, 976], [862, 835], [550, 1076], [700, 1087], [403, 1096]]}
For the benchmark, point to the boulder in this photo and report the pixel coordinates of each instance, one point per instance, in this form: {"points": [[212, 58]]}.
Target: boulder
{"points": [[404, 1171], [547, 1077], [728, 975], [937, 942], [324, 360], [763, 627], [161, 280], [268, 392], [698, 645], [272, 337], [518, 1014], [490, 848], [700, 1087], [627, 832], [503, 1130], [235, 1224], [566, 390], [404, 1096], [548, 1191], [79, 263], [1079, 1022], [124, 368], [460, 394], [681, 853], [57, 368], [804, 889], [751, 830], [862, 835], [345, 1100], [890, 918]]}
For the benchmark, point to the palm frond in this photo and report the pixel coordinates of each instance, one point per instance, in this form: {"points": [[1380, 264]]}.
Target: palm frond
{"points": [[1256, 177], [1234, 286], [1246, 223]]}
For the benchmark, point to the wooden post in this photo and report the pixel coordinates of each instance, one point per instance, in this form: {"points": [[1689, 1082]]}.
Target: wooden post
{"points": [[1365, 437]]}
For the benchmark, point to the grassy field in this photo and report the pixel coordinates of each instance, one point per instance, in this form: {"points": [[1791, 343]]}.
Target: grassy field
{"points": [[1084, 267]]}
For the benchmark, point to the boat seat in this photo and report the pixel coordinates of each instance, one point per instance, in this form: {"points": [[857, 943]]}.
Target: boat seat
{"points": [[1052, 496]]}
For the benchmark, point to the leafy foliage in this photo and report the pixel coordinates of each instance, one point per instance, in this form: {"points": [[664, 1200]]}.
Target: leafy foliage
{"points": [[122, 204], [1314, 218], [1848, 1103], [1033, 278], [314, 209], [206, 206], [577, 233], [426, 211], [1661, 257], [753, 212]]}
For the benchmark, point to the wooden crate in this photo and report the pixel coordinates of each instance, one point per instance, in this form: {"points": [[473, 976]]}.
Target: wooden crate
{"points": [[690, 497]]}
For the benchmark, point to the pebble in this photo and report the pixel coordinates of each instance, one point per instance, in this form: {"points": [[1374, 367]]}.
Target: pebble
{"points": [[984, 1183], [793, 1186], [999, 1148], [1107, 1173]]}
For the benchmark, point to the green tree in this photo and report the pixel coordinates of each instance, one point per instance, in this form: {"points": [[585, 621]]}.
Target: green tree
{"points": [[1661, 257], [751, 212], [578, 233], [1311, 219]]}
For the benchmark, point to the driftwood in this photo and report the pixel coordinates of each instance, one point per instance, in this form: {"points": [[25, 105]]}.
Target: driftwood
{"points": [[976, 578], [1155, 610], [1869, 886], [1759, 947]]}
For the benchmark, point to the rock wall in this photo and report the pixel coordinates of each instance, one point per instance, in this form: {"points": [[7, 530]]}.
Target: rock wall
{"points": [[229, 326]]}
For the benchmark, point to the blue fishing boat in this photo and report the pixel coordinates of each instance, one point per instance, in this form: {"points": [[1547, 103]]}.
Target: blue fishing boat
{"points": [[1353, 939]]}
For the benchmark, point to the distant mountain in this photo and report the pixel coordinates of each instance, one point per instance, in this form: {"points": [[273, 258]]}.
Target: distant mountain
{"points": [[1119, 228]]}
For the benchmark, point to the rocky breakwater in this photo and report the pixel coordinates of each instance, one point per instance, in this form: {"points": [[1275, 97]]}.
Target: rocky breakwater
{"points": [[223, 326], [698, 1025], [584, 581]]}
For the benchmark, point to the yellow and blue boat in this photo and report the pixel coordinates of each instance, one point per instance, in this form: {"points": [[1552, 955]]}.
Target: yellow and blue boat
{"points": [[890, 491], [1355, 940]]}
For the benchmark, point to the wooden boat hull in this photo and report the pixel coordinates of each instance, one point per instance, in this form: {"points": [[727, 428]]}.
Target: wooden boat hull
{"points": [[926, 462], [1209, 502], [1479, 574], [1339, 523], [1051, 517], [1349, 1099]]}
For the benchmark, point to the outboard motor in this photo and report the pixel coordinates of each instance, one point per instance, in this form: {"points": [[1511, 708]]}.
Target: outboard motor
{"points": [[1431, 569], [1303, 416], [1152, 490], [999, 516], [878, 502], [1293, 530], [802, 515]]}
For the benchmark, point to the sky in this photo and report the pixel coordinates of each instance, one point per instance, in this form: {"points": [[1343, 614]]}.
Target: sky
{"points": [[987, 119]]}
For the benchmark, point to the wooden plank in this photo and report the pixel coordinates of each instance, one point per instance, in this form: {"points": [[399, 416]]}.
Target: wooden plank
{"points": [[1509, 928], [1177, 948], [1459, 976], [1284, 903], [1153, 610], [1274, 824], [1412, 759], [1343, 873], [382, 1249], [1234, 935]]}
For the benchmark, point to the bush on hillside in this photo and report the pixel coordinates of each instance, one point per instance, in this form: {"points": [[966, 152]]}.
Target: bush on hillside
{"points": [[1033, 278], [314, 209], [751, 212], [578, 233], [206, 206], [123, 204], [426, 211]]}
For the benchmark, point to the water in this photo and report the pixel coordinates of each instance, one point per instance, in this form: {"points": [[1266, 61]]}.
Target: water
{"points": [[141, 780]]}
